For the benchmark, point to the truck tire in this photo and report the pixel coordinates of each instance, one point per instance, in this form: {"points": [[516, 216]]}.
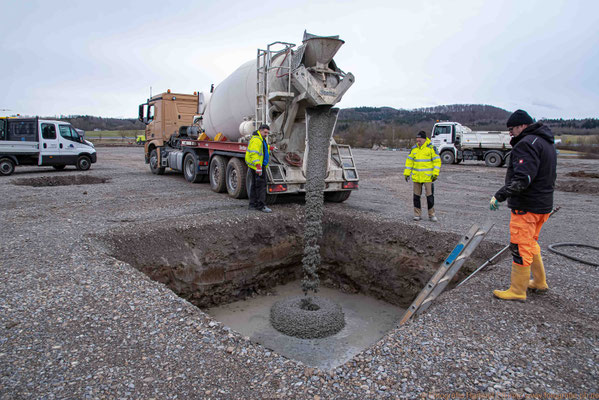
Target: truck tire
{"points": [[507, 159], [493, 159], [447, 157], [190, 169], [83, 163], [270, 198], [218, 174], [7, 166], [156, 170], [337, 197], [236, 173]]}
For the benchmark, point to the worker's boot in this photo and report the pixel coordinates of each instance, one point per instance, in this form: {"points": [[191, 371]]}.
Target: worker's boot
{"points": [[517, 290], [538, 281], [417, 213]]}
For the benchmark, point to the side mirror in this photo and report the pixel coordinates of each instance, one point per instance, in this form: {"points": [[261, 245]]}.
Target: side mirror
{"points": [[140, 115]]}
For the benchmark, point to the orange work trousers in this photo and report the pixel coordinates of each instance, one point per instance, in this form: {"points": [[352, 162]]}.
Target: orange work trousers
{"points": [[524, 234]]}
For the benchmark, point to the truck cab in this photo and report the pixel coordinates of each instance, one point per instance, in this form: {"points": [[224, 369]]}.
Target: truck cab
{"points": [[444, 136], [35, 141]]}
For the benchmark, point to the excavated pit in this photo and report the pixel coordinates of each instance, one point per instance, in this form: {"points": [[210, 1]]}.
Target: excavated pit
{"points": [[237, 270], [60, 181]]}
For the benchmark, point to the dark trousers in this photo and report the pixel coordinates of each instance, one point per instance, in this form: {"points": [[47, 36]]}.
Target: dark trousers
{"points": [[429, 187], [257, 190]]}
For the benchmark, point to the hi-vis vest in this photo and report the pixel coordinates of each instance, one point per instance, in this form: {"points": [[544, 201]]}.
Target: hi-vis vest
{"points": [[254, 154], [423, 163]]}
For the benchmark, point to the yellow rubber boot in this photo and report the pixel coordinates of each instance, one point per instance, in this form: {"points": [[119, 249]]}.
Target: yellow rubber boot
{"points": [[538, 281], [517, 290]]}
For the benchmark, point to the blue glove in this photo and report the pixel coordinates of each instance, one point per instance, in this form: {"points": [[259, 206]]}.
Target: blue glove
{"points": [[493, 204]]}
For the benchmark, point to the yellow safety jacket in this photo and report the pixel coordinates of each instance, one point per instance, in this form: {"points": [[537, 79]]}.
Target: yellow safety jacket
{"points": [[423, 163], [257, 151]]}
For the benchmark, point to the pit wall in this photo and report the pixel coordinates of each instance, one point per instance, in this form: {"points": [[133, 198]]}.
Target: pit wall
{"points": [[219, 262]]}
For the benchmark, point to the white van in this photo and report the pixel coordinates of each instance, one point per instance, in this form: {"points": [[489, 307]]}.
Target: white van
{"points": [[34, 141]]}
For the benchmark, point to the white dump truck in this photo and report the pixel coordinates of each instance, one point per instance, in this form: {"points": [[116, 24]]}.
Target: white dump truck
{"points": [[205, 137], [456, 142], [35, 141]]}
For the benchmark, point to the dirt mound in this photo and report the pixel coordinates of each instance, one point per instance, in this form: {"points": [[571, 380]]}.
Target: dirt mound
{"points": [[60, 180], [583, 174], [576, 186]]}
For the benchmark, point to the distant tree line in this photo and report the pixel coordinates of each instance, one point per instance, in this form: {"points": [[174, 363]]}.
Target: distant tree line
{"points": [[386, 126], [90, 123]]}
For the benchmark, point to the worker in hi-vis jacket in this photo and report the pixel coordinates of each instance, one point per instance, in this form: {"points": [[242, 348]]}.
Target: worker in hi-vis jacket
{"points": [[529, 184], [256, 157], [423, 164]]}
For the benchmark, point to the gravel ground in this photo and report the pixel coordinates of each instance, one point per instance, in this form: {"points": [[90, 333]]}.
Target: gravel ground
{"points": [[76, 323]]}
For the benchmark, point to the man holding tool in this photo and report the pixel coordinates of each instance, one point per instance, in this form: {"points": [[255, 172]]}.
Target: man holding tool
{"points": [[529, 185]]}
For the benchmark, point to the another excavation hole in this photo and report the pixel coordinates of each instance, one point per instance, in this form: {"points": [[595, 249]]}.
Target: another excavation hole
{"points": [[237, 271], [60, 180]]}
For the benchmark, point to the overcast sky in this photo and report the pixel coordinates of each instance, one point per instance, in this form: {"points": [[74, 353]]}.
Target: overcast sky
{"points": [[101, 57]]}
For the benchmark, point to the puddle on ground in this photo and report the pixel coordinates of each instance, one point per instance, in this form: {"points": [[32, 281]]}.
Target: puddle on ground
{"points": [[366, 321]]}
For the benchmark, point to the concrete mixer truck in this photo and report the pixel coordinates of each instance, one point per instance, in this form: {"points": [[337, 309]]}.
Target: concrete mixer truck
{"points": [[205, 137]]}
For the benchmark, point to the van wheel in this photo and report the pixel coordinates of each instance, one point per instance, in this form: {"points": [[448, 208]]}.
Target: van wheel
{"points": [[83, 163], [7, 166], [190, 168], [156, 170], [58, 167], [218, 174], [447, 157], [493, 159], [236, 172]]}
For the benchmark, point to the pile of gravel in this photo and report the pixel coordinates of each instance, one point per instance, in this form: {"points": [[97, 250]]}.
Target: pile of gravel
{"points": [[307, 317]]}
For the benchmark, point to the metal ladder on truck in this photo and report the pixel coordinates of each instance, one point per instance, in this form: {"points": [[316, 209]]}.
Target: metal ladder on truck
{"points": [[263, 67], [343, 155], [264, 95], [448, 269]]}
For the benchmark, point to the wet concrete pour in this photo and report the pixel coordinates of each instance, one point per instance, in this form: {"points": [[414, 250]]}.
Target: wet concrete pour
{"points": [[366, 321]]}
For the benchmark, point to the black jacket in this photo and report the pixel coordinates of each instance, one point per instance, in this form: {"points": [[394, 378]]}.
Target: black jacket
{"points": [[530, 177]]}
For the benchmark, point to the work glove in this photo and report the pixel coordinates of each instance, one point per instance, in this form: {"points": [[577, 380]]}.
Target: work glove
{"points": [[259, 170], [435, 178], [407, 177], [493, 204]]}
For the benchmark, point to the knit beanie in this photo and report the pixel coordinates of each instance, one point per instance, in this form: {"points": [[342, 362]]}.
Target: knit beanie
{"points": [[519, 117], [421, 134]]}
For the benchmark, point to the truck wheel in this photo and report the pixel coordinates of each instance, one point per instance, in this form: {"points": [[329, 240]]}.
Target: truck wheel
{"points": [[190, 168], [7, 166], [493, 159], [59, 167], [218, 174], [507, 159], [270, 198], [83, 163], [337, 197], [156, 170], [447, 157], [236, 172]]}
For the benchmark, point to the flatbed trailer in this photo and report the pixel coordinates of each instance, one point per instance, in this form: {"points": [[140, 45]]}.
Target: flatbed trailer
{"points": [[222, 164]]}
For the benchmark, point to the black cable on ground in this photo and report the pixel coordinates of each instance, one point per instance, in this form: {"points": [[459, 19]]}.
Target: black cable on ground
{"points": [[552, 248]]}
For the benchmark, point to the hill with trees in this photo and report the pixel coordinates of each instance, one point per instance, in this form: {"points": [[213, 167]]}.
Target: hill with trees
{"points": [[383, 126], [387, 126]]}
